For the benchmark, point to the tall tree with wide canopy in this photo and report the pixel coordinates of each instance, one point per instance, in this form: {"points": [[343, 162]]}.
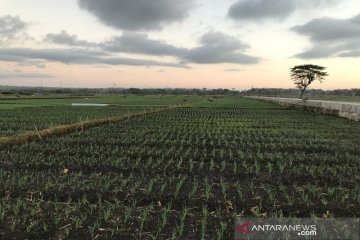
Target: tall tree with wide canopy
{"points": [[304, 75]]}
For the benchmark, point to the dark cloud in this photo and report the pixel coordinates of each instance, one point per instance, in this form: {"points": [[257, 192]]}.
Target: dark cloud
{"points": [[140, 43], [31, 62], [75, 56], [217, 47], [255, 10], [318, 51], [64, 38], [57, 55], [355, 53], [261, 9], [330, 29], [331, 37], [137, 14], [139, 62], [309, 4], [11, 28], [128, 42], [24, 75]]}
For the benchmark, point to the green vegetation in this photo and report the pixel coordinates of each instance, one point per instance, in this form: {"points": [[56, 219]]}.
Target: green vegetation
{"points": [[233, 102], [59, 100], [343, 95], [183, 173], [14, 121]]}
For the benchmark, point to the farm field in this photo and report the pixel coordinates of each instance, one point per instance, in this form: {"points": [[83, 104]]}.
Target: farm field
{"points": [[20, 115], [14, 121], [11, 102], [183, 173]]}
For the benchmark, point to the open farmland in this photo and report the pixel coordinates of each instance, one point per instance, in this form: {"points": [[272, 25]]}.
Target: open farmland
{"points": [[18, 115], [183, 173], [14, 121], [11, 102]]}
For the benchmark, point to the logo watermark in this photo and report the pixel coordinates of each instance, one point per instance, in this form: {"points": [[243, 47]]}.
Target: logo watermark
{"points": [[297, 228]]}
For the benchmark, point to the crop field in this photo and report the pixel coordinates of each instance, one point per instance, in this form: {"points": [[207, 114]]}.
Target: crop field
{"points": [[183, 173], [18, 115], [11, 102], [13, 121]]}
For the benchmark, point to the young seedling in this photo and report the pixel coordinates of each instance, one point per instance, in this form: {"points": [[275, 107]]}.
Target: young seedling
{"points": [[221, 231], [270, 168], [257, 167], [234, 167], [193, 189], [127, 214], [182, 221], [205, 213], [224, 187], [191, 165], [107, 214], [223, 166], [179, 184], [238, 190], [207, 189], [150, 186], [201, 164], [164, 215], [212, 165]]}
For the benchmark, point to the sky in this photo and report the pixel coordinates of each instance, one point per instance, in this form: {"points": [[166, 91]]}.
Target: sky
{"points": [[235, 44]]}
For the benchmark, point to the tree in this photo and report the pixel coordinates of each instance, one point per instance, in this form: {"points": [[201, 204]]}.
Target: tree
{"points": [[304, 75]]}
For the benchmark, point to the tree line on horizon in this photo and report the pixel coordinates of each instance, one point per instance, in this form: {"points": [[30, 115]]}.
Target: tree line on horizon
{"points": [[274, 92]]}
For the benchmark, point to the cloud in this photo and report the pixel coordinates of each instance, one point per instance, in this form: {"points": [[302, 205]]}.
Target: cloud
{"points": [[330, 29], [72, 55], [317, 51], [232, 70], [64, 38], [137, 14], [76, 56], [258, 10], [11, 28], [217, 47], [24, 75], [31, 62], [355, 53], [311, 4], [139, 62], [140, 43], [261, 9], [331, 37]]}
